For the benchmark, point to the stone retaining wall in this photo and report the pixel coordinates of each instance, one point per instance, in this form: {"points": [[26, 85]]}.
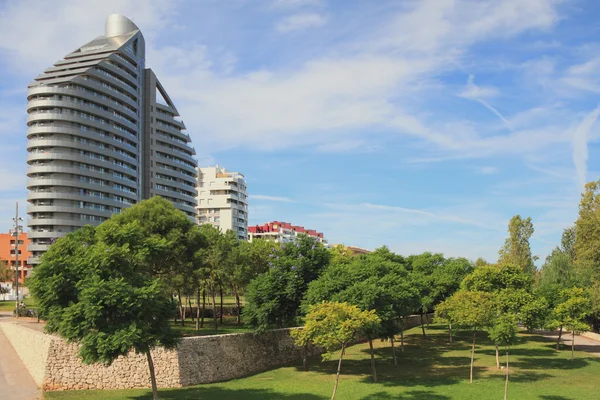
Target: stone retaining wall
{"points": [[54, 364], [591, 335], [31, 346]]}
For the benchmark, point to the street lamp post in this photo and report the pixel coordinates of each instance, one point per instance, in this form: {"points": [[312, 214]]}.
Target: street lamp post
{"points": [[17, 229]]}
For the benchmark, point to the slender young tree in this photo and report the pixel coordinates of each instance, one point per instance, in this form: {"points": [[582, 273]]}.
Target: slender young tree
{"points": [[504, 333], [472, 310], [334, 326], [571, 312]]}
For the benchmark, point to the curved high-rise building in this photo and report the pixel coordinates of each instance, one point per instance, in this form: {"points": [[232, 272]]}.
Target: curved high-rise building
{"points": [[102, 134]]}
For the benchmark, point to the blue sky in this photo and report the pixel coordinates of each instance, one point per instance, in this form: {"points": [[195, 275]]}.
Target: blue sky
{"points": [[422, 125]]}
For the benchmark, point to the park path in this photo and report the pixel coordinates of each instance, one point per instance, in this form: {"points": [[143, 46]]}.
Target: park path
{"points": [[581, 343], [15, 381]]}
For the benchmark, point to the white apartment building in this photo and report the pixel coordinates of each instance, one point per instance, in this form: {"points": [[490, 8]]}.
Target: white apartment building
{"points": [[223, 200]]}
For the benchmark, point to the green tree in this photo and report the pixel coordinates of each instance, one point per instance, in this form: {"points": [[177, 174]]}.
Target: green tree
{"points": [[214, 256], [558, 269], [443, 314], [471, 310], [480, 262], [587, 233], [6, 275], [504, 333], [99, 286], [516, 250], [370, 282], [593, 292], [422, 270], [335, 326], [571, 312], [274, 297], [568, 241], [341, 255]]}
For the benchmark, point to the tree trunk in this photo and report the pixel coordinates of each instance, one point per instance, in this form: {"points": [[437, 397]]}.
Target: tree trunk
{"points": [[572, 344], [305, 358], [181, 307], [422, 325], [394, 352], [238, 306], [373, 369], [214, 304], [472, 357], [497, 358], [506, 382], [198, 309], [402, 337], [337, 376], [152, 376], [191, 309], [203, 307], [184, 311], [558, 340], [450, 331], [221, 311]]}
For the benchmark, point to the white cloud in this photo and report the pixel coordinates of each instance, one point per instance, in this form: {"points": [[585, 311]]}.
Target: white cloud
{"points": [[61, 25], [295, 3], [270, 198], [580, 145], [298, 22]]}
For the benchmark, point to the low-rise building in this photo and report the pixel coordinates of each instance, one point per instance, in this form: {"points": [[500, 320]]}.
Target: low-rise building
{"points": [[223, 200], [282, 232], [353, 249], [8, 253]]}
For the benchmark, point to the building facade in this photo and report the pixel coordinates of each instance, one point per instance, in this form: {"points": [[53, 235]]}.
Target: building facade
{"points": [[282, 232], [8, 254], [103, 134], [223, 200]]}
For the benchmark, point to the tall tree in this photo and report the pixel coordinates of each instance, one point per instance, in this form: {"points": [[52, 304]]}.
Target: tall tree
{"points": [[558, 269], [568, 240], [334, 326], [516, 249], [99, 286], [587, 232], [274, 297]]}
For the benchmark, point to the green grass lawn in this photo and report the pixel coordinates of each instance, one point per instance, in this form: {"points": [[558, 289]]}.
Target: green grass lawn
{"points": [[229, 326], [6, 305], [428, 370]]}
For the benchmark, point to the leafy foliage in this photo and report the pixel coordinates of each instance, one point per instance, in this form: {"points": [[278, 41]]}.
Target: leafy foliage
{"points": [[332, 325], [516, 249], [274, 297], [98, 286]]}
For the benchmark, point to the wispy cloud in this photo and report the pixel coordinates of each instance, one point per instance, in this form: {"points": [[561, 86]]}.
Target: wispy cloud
{"points": [[270, 198], [580, 144], [477, 93], [298, 22], [487, 170], [295, 3]]}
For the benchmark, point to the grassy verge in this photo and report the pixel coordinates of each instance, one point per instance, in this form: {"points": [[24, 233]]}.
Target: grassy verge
{"points": [[428, 370], [6, 305], [229, 326]]}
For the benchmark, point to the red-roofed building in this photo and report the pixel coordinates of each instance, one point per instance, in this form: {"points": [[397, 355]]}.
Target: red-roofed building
{"points": [[282, 232]]}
